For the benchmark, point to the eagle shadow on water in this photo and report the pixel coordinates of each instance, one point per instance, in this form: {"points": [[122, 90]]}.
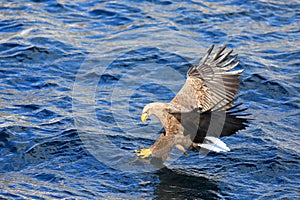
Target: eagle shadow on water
{"points": [[184, 184]]}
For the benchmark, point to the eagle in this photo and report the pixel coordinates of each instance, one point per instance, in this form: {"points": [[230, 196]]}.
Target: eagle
{"points": [[202, 111]]}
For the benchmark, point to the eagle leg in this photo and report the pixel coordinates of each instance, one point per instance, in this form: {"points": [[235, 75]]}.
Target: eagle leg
{"points": [[143, 153], [182, 149]]}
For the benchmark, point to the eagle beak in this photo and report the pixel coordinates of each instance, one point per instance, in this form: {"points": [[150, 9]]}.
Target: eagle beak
{"points": [[144, 117]]}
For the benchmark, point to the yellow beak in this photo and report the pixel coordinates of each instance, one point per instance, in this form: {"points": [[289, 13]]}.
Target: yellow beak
{"points": [[144, 117]]}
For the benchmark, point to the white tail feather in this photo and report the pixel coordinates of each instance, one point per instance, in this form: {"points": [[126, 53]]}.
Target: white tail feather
{"points": [[214, 144]]}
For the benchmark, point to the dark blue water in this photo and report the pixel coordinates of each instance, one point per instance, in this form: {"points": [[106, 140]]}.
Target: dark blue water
{"points": [[75, 75]]}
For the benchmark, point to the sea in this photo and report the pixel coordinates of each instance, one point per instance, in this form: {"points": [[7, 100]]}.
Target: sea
{"points": [[75, 76]]}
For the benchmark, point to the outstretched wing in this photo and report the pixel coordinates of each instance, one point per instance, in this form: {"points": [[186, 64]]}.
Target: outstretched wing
{"points": [[212, 81], [213, 122]]}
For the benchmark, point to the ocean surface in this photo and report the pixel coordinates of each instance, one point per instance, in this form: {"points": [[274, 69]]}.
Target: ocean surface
{"points": [[75, 75]]}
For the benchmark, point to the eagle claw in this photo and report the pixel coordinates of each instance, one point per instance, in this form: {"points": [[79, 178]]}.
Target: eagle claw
{"points": [[143, 153]]}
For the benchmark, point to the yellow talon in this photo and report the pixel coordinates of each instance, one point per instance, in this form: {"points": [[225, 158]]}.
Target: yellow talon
{"points": [[143, 153]]}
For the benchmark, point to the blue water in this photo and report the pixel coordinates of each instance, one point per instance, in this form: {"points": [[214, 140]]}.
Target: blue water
{"points": [[75, 75]]}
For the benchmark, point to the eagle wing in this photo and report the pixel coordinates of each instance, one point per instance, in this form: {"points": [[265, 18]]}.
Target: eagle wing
{"points": [[212, 81], [217, 122]]}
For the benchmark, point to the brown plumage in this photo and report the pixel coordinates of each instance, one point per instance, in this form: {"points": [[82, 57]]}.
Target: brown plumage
{"points": [[201, 109]]}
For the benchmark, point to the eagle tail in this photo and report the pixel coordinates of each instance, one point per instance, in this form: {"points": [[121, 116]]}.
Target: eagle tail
{"points": [[214, 144]]}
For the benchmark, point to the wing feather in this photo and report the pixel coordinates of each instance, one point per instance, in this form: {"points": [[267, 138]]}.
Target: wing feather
{"points": [[211, 81], [203, 60], [197, 123]]}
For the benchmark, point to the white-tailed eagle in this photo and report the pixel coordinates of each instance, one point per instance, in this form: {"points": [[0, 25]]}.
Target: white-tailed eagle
{"points": [[203, 109]]}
